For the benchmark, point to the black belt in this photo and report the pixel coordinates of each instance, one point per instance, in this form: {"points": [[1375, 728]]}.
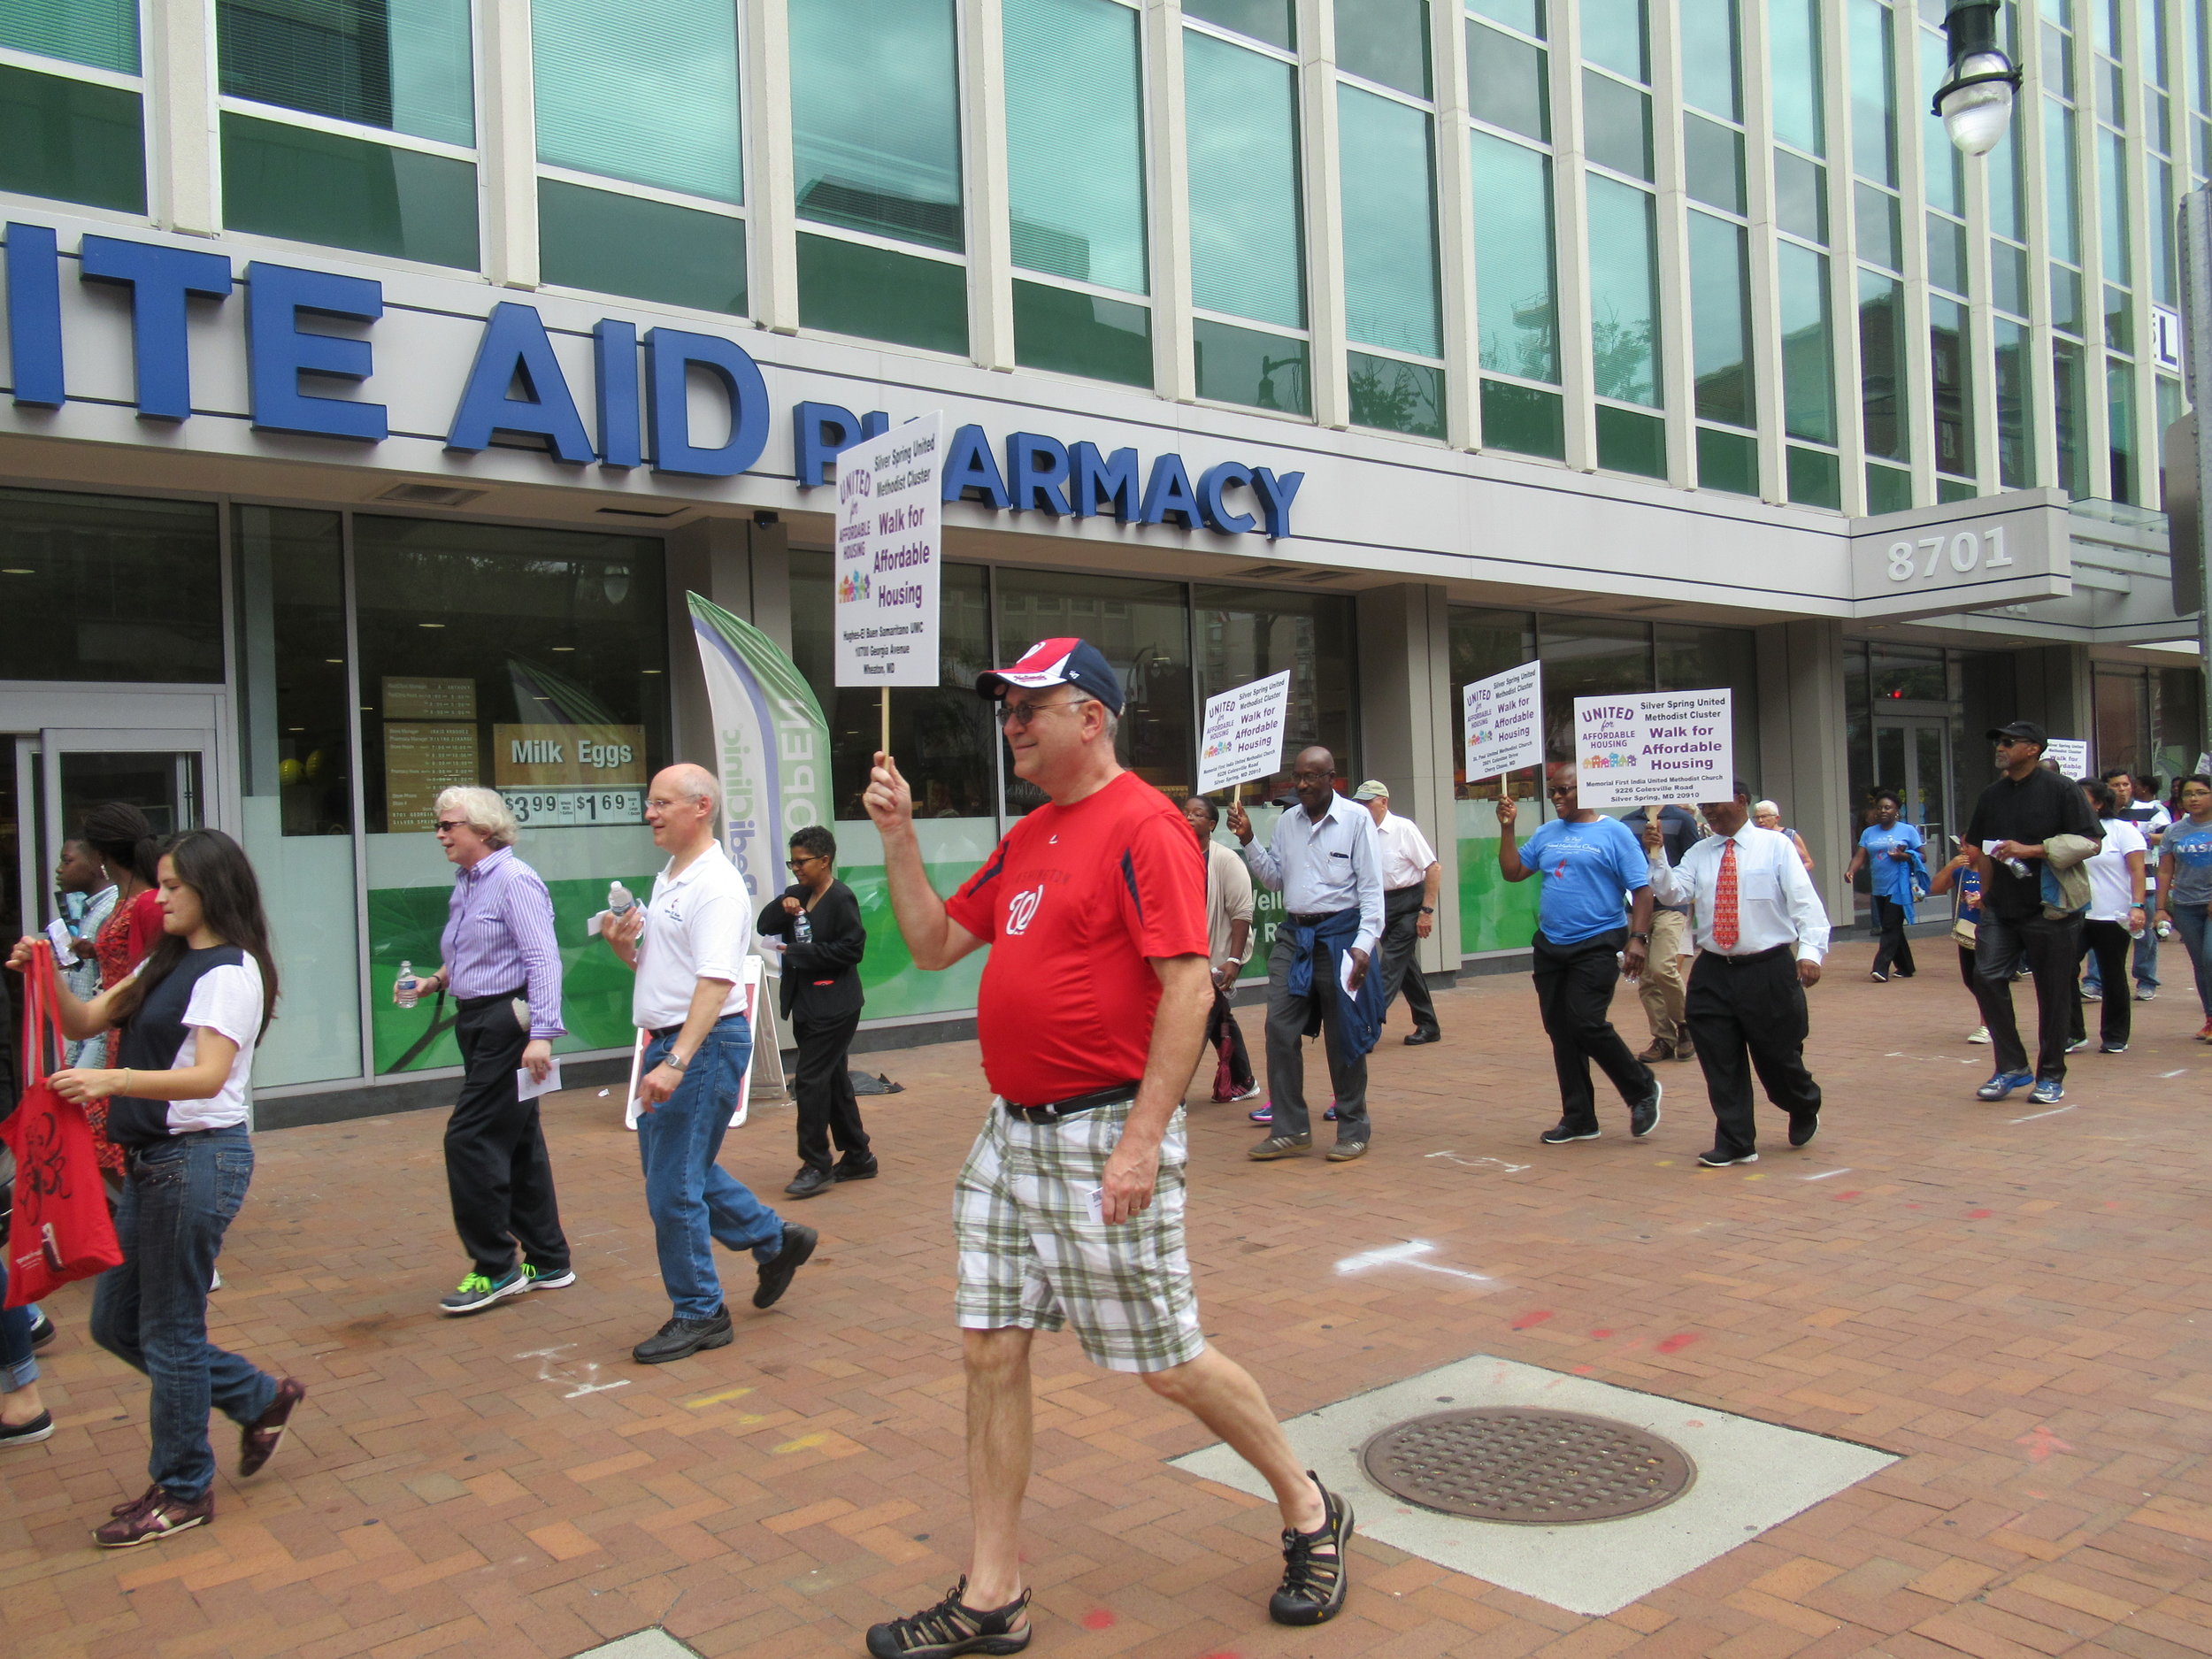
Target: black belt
{"points": [[677, 1030], [1739, 962], [496, 996], [1312, 918], [1053, 1112]]}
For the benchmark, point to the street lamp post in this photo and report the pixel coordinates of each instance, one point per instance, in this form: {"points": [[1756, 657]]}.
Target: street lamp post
{"points": [[1975, 101]]}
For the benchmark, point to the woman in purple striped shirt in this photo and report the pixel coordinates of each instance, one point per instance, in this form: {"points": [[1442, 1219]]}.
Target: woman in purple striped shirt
{"points": [[503, 967]]}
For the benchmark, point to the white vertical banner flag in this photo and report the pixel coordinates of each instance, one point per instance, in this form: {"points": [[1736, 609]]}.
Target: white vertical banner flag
{"points": [[1503, 720], [1655, 748], [890, 542], [1241, 737]]}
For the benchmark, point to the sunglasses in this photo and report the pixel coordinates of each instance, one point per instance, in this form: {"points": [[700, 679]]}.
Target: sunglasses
{"points": [[446, 826], [1561, 789], [1018, 715]]}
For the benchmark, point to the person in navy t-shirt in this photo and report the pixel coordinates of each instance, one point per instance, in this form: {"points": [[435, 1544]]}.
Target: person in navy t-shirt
{"points": [[1589, 863]]}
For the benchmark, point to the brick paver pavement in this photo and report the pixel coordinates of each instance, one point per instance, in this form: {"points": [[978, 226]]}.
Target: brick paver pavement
{"points": [[2009, 1300]]}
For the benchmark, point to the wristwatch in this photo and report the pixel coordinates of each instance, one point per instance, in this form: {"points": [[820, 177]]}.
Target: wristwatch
{"points": [[1428, 910], [673, 1064], [1644, 937]]}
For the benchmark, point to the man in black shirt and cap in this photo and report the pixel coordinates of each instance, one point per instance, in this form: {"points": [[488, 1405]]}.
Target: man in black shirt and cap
{"points": [[2004, 837]]}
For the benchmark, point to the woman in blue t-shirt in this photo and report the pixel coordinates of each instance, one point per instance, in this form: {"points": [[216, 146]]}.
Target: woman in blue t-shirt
{"points": [[2185, 882], [1889, 851]]}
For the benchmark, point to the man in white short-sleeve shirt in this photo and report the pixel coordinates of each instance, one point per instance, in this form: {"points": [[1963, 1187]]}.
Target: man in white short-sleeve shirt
{"points": [[688, 946], [1410, 877]]}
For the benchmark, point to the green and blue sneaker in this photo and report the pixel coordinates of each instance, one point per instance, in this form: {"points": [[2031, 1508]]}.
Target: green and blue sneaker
{"points": [[476, 1293]]}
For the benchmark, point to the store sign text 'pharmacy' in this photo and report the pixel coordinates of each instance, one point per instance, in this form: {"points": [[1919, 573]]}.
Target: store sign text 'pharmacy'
{"points": [[517, 389]]}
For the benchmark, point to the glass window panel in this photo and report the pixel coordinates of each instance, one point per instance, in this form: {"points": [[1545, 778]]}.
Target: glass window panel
{"points": [[2159, 217], [1247, 247], [71, 140], [1946, 254], [650, 250], [2063, 206], [109, 588], [2127, 472], [1873, 92], [2119, 320], [2058, 63], [1616, 124], [1816, 477], [1888, 488], [2008, 278], [1951, 377], [1876, 214], [1794, 60], [2012, 419], [1517, 313], [1523, 419], [2153, 36], [1624, 292], [1241, 366], [1270, 20], [1507, 85], [850, 288], [1389, 173], [2158, 120], [1631, 442], [1075, 140], [1882, 364], [1613, 34], [1385, 41], [1396, 396], [2112, 195], [648, 93], [1720, 320], [401, 65], [1711, 75], [101, 33], [1246, 634], [1808, 363], [1525, 15], [1588, 657], [2006, 217], [1727, 461], [1800, 197], [1942, 165], [1690, 657], [1081, 333], [284, 180], [2068, 395], [875, 118], [2066, 306], [1143, 628], [1712, 163]]}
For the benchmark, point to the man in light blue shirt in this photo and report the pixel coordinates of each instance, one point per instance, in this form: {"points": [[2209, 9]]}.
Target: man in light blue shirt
{"points": [[1324, 860]]}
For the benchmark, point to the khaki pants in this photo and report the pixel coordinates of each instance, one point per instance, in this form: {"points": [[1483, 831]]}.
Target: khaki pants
{"points": [[1659, 990]]}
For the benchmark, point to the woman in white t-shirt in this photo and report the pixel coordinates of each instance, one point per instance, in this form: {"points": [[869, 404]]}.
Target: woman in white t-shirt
{"points": [[188, 1020], [2113, 917]]}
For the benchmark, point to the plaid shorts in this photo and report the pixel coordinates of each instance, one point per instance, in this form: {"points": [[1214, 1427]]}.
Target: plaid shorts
{"points": [[1031, 1257]]}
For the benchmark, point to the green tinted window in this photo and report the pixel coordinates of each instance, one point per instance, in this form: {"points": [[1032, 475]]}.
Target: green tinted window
{"points": [[2013, 422], [401, 65], [1081, 333], [1720, 320], [2070, 400], [1888, 488], [651, 250], [1808, 364], [1517, 313], [1396, 396], [1815, 479], [1941, 164], [1242, 138], [849, 289], [2112, 196], [282, 181], [1624, 293], [71, 140], [1525, 15], [1616, 124], [101, 33], [1269, 20], [1709, 76], [1385, 41], [109, 588], [1882, 364], [875, 118], [1075, 140], [1875, 215], [1390, 297], [1727, 461], [1794, 58], [2127, 480], [1631, 443], [1873, 92], [1712, 163], [2005, 190], [1523, 419], [1613, 34], [648, 93], [1506, 84], [1951, 377], [1800, 197], [1238, 365]]}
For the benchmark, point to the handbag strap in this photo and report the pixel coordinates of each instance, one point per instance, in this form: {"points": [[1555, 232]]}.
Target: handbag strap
{"points": [[40, 1016]]}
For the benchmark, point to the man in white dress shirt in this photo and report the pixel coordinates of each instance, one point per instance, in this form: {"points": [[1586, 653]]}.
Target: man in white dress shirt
{"points": [[1410, 875], [1761, 931]]}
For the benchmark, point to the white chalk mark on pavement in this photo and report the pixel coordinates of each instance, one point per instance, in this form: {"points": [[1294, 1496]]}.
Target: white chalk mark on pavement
{"points": [[1404, 1256], [1825, 1174], [2053, 1112], [1476, 1164]]}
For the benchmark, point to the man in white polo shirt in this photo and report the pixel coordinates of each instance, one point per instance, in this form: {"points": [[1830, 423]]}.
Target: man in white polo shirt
{"points": [[1411, 876], [688, 950]]}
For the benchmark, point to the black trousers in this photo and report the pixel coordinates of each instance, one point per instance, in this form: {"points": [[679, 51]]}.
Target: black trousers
{"points": [[495, 1163], [2051, 951], [1748, 1014], [1226, 1039], [2107, 942], [1574, 994], [1896, 951], [827, 1109], [1400, 939]]}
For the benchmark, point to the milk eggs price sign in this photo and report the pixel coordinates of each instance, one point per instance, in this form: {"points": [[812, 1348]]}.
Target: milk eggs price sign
{"points": [[889, 543], [1655, 748]]}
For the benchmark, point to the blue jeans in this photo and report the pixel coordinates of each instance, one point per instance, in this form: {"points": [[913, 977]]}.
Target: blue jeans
{"points": [[694, 1200], [151, 1312], [17, 1369], [2189, 922]]}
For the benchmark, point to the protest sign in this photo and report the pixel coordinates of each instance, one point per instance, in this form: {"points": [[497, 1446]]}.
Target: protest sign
{"points": [[2069, 755], [1653, 747], [890, 535], [1242, 736], [1502, 718]]}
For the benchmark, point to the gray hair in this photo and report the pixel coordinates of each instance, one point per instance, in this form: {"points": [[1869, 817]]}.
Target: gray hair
{"points": [[1758, 807], [484, 811]]}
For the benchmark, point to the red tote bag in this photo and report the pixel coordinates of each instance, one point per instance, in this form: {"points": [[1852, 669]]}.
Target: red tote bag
{"points": [[61, 1229]]}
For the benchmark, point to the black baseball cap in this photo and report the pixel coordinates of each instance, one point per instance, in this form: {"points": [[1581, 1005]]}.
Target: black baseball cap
{"points": [[2023, 731], [1063, 662]]}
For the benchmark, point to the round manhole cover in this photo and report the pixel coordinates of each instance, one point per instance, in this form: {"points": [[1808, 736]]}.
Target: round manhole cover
{"points": [[1534, 1468]]}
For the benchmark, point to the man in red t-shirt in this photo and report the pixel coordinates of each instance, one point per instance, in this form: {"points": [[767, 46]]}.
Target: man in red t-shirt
{"points": [[1069, 1211]]}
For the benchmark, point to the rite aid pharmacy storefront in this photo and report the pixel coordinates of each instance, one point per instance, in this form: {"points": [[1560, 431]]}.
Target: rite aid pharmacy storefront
{"points": [[288, 544]]}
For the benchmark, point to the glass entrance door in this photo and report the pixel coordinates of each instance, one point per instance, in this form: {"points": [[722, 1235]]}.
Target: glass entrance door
{"points": [[1911, 757]]}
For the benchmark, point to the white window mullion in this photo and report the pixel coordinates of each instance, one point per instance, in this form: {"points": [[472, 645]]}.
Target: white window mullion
{"points": [[1843, 254], [1174, 365], [1766, 406], [183, 156], [1671, 246], [1327, 379], [1571, 241], [1456, 227], [506, 143], [990, 228], [772, 274]]}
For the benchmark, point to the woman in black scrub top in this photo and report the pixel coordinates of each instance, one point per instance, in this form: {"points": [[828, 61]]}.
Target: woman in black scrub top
{"points": [[189, 1019]]}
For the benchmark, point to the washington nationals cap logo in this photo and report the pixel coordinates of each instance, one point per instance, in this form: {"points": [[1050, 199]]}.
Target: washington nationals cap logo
{"points": [[1022, 908]]}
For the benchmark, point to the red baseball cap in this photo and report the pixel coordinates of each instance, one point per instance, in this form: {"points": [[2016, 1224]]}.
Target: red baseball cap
{"points": [[1075, 662]]}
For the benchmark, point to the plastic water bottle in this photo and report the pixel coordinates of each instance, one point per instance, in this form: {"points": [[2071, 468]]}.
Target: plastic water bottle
{"points": [[802, 929], [620, 900], [2165, 928], [409, 987]]}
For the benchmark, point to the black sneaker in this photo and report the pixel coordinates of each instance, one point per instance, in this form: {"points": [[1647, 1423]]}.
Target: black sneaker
{"points": [[1643, 1117], [810, 1182], [852, 1169], [1802, 1129], [680, 1339], [1720, 1159], [1562, 1132], [475, 1293], [39, 1428], [775, 1273], [952, 1627], [1417, 1038], [2114, 1048], [1312, 1591], [42, 1332]]}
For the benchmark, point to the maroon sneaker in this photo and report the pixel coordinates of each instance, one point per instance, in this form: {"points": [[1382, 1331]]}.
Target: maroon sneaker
{"points": [[154, 1518], [257, 1441]]}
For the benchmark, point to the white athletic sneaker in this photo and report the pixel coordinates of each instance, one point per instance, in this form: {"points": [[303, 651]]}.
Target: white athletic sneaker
{"points": [[1981, 1035]]}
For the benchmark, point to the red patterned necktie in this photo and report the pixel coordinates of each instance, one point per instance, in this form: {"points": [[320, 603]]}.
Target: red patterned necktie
{"points": [[1724, 933]]}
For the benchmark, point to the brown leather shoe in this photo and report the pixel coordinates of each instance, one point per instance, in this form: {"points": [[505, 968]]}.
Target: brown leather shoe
{"points": [[1659, 1049], [1685, 1049], [257, 1441]]}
